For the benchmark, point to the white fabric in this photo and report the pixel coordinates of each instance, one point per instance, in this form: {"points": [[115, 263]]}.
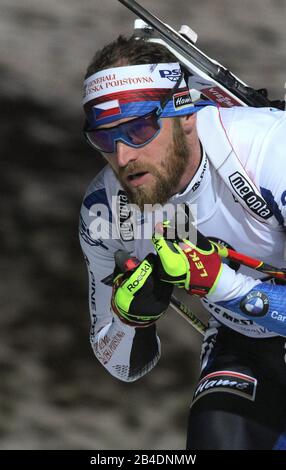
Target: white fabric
{"points": [[227, 162], [131, 77]]}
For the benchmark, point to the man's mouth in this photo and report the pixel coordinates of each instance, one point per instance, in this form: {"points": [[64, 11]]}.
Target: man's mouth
{"points": [[136, 175], [136, 179]]}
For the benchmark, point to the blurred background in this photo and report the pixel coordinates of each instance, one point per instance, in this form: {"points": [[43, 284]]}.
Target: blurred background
{"points": [[53, 392]]}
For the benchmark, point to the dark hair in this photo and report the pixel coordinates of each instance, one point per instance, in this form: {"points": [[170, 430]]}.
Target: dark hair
{"points": [[129, 51]]}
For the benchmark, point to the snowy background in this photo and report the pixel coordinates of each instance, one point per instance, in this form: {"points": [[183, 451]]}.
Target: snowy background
{"points": [[53, 393]]}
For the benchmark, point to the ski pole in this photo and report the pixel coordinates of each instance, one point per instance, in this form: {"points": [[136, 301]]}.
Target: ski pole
{"points": [[253, 263], [188, 315], [201, 241]]}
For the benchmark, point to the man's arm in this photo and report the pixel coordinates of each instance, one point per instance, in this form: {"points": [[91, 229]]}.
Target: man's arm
{"points": [[126, 352], [271, 180]]}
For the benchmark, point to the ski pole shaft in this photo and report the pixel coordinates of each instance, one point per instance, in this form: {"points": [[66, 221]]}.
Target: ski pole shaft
{"points": [[188, 315], [250, 262]]}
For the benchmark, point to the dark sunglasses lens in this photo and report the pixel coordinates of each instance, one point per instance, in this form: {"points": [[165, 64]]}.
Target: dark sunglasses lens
{"points": [[136, 132], [142, 129], [101, 140]]}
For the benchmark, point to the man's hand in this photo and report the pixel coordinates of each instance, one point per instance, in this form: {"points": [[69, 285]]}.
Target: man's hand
{"points": [[139, 297], [196, 268]]}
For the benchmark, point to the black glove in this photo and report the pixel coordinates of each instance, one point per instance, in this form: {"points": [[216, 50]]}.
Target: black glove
{"points": [[139, 297]]}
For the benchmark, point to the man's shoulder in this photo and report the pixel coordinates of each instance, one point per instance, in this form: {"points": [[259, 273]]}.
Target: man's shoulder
{"points": [[251, 119], [101, 189], [246, 129], [243, 116], [251, 132]]}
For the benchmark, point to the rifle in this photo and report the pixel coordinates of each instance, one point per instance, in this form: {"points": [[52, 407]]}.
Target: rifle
{"points": [[206, 75]]}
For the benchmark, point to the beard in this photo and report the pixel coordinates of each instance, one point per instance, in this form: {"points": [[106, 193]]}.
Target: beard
{"points": [[166, 178]]}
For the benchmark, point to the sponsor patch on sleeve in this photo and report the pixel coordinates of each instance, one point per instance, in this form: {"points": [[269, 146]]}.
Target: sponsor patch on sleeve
{"points": [[227, 381]]}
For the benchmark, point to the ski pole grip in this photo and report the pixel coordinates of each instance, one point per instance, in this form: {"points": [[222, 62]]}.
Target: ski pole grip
{"points": [[125, 262]]}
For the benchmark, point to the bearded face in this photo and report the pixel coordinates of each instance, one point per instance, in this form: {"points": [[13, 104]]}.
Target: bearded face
{"points": [[160, 175]]}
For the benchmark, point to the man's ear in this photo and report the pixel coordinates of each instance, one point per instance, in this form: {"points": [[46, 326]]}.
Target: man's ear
{"points": [[188, 123]]}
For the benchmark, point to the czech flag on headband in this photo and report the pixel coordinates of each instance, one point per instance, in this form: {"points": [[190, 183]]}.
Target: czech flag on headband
{"points": [[107, 109]]}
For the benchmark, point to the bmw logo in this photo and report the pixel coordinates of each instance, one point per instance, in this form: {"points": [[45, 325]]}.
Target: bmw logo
{"points": [[255, 304]]}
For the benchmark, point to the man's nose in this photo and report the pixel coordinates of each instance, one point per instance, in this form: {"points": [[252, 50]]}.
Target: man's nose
{"points": [[125, 154]]}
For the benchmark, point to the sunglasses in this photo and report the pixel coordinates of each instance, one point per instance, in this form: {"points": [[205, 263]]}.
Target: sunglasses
{"points": [[135, 133]]}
